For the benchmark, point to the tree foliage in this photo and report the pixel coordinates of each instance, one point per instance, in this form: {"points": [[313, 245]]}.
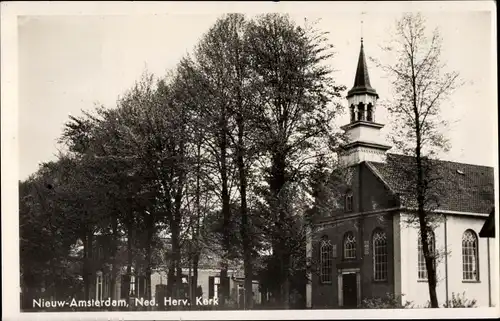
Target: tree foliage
{"points": [[219, 155]]}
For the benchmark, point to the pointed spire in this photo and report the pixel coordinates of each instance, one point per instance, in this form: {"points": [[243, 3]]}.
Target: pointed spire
{"points": [[362, 80]]}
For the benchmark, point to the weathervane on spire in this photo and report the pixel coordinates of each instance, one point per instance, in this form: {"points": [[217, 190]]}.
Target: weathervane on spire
{"points": [[362, 14]]}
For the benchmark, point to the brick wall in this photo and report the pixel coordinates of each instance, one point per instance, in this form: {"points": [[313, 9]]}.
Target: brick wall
{"points": [[369, 194]]}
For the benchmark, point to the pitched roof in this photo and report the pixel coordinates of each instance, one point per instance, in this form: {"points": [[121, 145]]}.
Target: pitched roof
{"points": [[458, 187], [362, 80]]}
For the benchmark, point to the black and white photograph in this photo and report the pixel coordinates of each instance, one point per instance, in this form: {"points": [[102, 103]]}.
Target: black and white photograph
{"points": [[195, 161]]}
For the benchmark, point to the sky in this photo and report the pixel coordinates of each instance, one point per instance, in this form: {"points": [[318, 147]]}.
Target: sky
{"points": [[69, 62]]}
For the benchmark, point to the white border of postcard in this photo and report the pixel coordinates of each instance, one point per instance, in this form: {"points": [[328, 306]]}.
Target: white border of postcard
{"points": [[10, 237]]}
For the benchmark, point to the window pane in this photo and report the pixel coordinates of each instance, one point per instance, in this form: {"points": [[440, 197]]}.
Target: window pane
{"points": [[380, 256], [326, 251], [422, 268], [349, 246], [469, 256]]}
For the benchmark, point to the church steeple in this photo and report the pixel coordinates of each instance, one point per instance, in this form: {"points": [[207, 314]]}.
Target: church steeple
{"points": [[365, 142], [362, 97], [362, 79]]}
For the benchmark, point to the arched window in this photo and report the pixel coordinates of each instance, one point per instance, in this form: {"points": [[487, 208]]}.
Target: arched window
{"points": [[325, 260], [348, 202], [470, 256], [349, 246], [361, 111], [369, 112], [353, 115], [431, 242], [379, 256]]}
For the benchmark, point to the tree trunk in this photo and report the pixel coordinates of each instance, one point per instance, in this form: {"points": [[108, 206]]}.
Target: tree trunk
{"points": [[126, 284], [428, 256], [248, 268], [285, 285], [149, 241], [429, 260], [194, 280], [171, 278], [223, 286], [114, 263], [176, 221], [421, 190], [196, 229], [226, 213], [148, 272], [278, 179], [175, 272], [88, 263], [86, 267], [244, 227], [279, 293]]}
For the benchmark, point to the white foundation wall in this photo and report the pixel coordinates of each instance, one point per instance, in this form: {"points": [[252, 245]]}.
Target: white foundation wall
{"points": [[449, 270]]}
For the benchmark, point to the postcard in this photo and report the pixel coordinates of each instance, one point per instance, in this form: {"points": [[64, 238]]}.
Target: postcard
{"points": [[261, 160]]}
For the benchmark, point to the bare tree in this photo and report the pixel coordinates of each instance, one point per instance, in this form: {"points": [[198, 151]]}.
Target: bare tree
{"points": [[420, 86]]}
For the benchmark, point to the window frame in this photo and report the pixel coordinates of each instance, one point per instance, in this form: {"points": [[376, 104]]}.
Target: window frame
{"points": [[369, 112], [353, 249], [325, 261], [383, 264], [474, 272], [361, 111], [348, 202], [421, 265]]}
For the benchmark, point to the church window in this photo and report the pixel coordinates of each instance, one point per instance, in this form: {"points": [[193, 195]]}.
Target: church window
{"points": [[469, 256], [369, 112], [325, 252], [361, 111], [349, 246], [348, 202], [422, 268], [353, 115], [379, 256]]}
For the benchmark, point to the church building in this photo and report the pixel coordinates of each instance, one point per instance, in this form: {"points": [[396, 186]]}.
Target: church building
{"points": [[368, 249]]}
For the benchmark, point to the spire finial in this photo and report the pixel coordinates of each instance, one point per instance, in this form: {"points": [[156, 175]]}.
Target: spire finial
{"points": [[362, 14], [361, 80]]}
